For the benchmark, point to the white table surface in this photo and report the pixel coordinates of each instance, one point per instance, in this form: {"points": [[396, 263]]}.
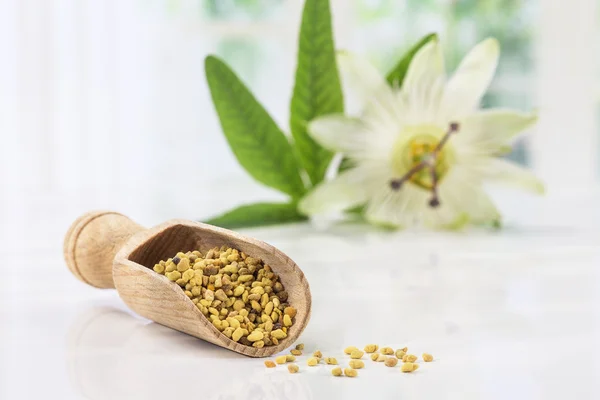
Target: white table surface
{"points": [[509, 314]]}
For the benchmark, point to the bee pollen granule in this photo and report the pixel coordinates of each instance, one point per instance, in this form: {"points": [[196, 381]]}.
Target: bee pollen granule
{"points": [[370, 348], [407, 367], [281, 359], [311, 362], [293, 368], [357, 354], [391, 362]]}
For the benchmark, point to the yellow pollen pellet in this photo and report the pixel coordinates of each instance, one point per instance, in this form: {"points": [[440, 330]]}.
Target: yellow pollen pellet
{"points": [[237, 292], [387, 351], [330, 361], [350, 349], [293, 368], [356, 364], [270, 364], [290, 358], [237, 334], [381, 358], [318, 354], [350, 372], [300, 346], [278, 334], [183, 265], [400, 353], [280, 359], [405, 349], [415, 366], [427, 357], [311, 362], [336, 371], [291, 311], [159, 268], [407, 367], [391, 362], [296, 352], [356, 354], [374, 356], [371, 348], [173, 276], [409, 358]]}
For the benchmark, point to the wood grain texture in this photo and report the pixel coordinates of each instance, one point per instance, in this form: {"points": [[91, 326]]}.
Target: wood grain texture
{"points": [[152, 295], [92, 242]]}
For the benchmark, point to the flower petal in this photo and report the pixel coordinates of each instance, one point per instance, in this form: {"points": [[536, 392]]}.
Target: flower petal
{"points": [[345, 191], [360, 79], [462, 200], [338, 133], [464, 188], [396, 208], [471, 79], [423, 85], [426, 67], [489, 131], [507, 173]]}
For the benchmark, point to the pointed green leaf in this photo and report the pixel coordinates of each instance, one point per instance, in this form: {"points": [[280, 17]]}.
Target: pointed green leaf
{"points": [[396, 75], [259, 214], [317, 90], [258, 144]]}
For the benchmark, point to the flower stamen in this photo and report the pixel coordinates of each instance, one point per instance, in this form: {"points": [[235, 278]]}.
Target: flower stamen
{"points": [[429, 162], [435, 200]]}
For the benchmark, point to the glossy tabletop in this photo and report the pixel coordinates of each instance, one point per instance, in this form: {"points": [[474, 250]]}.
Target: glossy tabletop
{"points": [[506, 314]]}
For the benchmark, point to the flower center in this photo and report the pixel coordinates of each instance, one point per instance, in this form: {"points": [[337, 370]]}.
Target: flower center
{"points": [[425, 159]]}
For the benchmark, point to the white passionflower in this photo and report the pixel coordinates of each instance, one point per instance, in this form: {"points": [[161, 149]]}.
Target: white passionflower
{"points": [[423, 151]]}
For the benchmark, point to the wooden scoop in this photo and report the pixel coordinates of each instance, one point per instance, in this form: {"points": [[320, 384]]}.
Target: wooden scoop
{"points": [[108, 250]]}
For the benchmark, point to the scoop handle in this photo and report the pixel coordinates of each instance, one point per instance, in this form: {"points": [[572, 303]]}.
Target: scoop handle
{"points": [[92, 242]]}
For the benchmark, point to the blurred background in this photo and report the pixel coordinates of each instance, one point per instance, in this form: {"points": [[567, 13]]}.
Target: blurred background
{"points": [[104, 103]]}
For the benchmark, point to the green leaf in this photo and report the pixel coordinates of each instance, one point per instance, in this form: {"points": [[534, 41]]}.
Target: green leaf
{"points": [[397, 74], [317, 90], [255, 139], [259, 214]]}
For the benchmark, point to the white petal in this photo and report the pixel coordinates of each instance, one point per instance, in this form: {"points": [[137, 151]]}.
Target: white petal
{"points": [[488, 131], [470, 81], [396, 208], [425, 68], [360, 79], [423, 85], [343, 192], [385, 117], [507, 173], [338, 133], [463, 188], [447, 214]]}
